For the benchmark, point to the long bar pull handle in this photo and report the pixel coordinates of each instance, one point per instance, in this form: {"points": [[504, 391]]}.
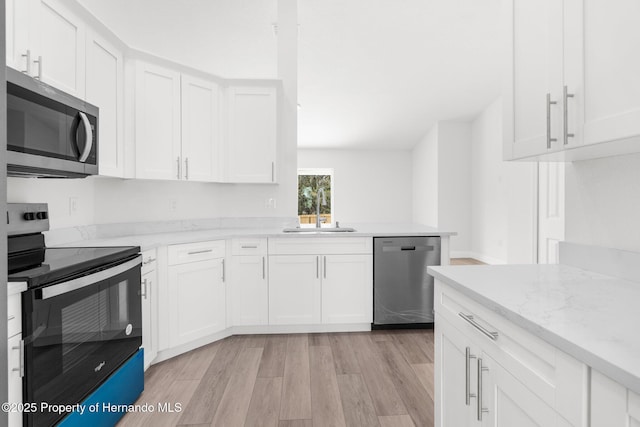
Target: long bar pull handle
{"points": [[481, 409], [468, 395], [249, 246], [39, 62], [324, 266], [566, 96], [317, 267], [469, 318], [11, 317], [20, 367], [178, 167], [223, 272], [273, 171], [144, 286], [27, 56], [148, 261], [264, 274], [186, 168], [204, 251], [549, 104]]}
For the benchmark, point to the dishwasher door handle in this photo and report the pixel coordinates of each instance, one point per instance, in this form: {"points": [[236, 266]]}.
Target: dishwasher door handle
{"points": [[407, 248]]}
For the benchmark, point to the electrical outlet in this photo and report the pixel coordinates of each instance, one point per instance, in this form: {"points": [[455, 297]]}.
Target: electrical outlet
{"points": [[73, 206], [270, 203], [173, 205]]}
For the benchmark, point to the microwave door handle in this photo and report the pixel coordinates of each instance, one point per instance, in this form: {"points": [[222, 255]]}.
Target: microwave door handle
{"points": [[89, 140]]}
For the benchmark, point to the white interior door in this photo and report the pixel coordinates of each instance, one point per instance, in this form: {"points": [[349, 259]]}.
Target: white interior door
{"points": [[550, 211]]}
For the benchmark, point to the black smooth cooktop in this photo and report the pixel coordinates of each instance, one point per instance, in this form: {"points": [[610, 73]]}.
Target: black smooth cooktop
{"points": [[53, 265]]}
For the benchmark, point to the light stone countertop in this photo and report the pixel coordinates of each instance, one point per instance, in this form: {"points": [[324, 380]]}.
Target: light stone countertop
{"points": [[590, 316], [153, 240]]}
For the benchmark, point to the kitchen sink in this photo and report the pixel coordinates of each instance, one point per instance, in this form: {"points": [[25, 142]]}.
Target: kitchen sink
{"points": [[314, 230]]}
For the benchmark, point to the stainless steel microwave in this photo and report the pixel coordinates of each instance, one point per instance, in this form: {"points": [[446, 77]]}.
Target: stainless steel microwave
{"points": [[49, 132]]}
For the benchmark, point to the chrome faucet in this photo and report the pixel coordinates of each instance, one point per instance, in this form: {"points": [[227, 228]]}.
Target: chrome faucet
{"points": [[324, 203]]}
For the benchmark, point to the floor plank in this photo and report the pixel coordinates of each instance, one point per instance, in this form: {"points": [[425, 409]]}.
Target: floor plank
{"points": [[196, 366], [411, 350], [466, 261], [295, 423], [180, 392], [396, 421], [318, 339], [264, 410], [425, 374], [356, 401], [234, 405], [326, 405], [254, 341], [208, 395], [296, 386], [273, 356], [384, 395], [343, 355], [415, 397]]}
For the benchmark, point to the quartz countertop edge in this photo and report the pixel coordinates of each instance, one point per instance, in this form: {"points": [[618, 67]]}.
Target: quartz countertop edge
{"points": [[154, 240], [588, 315]]}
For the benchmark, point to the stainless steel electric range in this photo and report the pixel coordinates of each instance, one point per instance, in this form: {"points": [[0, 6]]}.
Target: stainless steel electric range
{"points": [[81, 312]]}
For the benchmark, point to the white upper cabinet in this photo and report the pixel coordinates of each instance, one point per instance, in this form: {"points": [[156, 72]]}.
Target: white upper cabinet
{"points": [[201, 133], [252, 134], [571, 89], [157, 122], [47, 41], [105, 89]]}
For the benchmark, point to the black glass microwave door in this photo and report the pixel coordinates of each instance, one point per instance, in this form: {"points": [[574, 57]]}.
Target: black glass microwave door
{"points": [[79, 338]]}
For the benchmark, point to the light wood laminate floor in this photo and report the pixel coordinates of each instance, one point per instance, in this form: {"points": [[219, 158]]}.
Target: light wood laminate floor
{"points": [[379, 378]]}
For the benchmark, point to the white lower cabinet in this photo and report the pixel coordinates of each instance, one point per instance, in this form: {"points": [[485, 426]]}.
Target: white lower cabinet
{"points": [[294, 289], [149, 296], [347, 288], [197, 305], [248, 283], [490, 372], [15, 357], [612, 404]]}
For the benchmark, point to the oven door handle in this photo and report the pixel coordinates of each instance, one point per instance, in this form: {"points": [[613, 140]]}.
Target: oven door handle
{"points": [[91, 279]]}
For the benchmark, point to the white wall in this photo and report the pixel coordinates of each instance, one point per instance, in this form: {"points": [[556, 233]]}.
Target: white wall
{"points": [[369, 185], [425, 179], [502, 196], [602, 204]]}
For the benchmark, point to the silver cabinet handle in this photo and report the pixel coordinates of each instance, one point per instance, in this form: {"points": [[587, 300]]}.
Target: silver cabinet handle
{"points": [[469, 318], [264, 274], [28, 58], [88, 144], [223, 272], [324, 266], [148, 261], [273, 171], [20, 367], [186, 168], [566, 96], [549, 104], [178, 167], [249, 247], [481, 409], [467, 369], [204, 251], [39, 62], [144, 286], [11, 317], [317, 267]]}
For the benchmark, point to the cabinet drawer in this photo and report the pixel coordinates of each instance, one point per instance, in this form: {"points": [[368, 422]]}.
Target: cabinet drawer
{"points": [[551, 374], [255, 246], [14, 317], [149, 261], [320, 245], [193, 252]]}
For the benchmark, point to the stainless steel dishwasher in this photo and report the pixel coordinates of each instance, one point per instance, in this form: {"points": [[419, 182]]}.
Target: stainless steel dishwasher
{"points": [[402, 289]]}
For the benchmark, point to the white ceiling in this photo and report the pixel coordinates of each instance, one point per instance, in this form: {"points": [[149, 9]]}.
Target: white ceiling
{"points": [[372, 73]]}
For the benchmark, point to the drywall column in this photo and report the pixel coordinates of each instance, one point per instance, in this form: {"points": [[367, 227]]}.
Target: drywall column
{"points": [[288, 72]]}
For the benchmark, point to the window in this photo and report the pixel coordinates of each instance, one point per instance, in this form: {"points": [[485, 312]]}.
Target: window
{"points": [[310, 181]]}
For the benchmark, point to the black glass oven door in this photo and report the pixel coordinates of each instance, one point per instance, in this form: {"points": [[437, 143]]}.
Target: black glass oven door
{"points": [[78, 333]]}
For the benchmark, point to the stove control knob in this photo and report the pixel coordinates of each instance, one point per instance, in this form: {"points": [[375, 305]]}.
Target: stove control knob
{"points": [[29, 216], [42, 215]]}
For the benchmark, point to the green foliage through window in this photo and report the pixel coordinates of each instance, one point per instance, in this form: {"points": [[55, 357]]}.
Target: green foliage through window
{"points": [[308, 186]]}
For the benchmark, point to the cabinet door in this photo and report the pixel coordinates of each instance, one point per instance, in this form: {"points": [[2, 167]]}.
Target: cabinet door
{"points": [[602, 45], [197, 299], [535, 69], [200, 129], [612, 405], [252, 134], [508, 402], [14, 378], [105, 89], [454, 376], [17, 22], [294, 289], [250, 299], [149, 293], [57, 35], [347, 289], [157, 122]]}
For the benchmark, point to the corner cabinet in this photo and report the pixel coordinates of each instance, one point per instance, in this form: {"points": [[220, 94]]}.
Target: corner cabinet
{"points": [[571, 91], [489, 372], [320, 280], [252, 134], [197, 294], [149, 294]]}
